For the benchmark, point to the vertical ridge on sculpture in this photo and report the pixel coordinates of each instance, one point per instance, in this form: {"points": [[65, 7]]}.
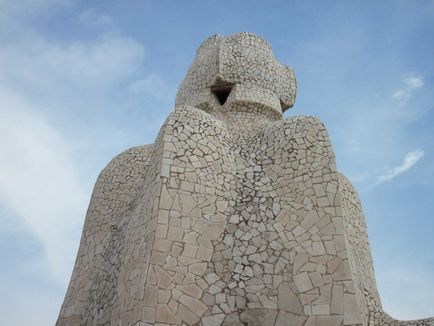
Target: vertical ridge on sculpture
{"points": [[235, 216]]}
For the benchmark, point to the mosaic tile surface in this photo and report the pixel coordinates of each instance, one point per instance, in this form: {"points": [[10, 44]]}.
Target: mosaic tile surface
{"points": [[235, 216]]}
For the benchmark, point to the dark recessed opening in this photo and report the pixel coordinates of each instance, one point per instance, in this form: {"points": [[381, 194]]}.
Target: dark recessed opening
{"points": [[222, 92]]}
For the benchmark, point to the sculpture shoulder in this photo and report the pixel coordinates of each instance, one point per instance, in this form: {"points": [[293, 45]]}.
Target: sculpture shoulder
{"points": [[128, 159], [351, 203], [117, 185], [345, 182], [348, 192], [304, 123], [301, 132], [124, 167]]}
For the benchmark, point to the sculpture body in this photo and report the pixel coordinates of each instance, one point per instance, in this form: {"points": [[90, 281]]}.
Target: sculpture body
{"points": [[234, 216]]}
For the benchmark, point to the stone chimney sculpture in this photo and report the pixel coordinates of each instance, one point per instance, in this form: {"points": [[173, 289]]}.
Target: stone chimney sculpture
{"points": [[234, 216]]}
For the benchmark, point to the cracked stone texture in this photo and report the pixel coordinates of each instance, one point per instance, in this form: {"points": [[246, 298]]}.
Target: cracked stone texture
{"points": [[235, 216]]}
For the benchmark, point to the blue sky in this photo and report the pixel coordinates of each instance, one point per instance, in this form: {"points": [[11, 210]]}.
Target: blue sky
{"points": [[81, 81]]}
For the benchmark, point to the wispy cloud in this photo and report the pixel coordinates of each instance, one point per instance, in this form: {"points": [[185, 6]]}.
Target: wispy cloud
{"points": [[99, 62], [47, 159], [411, 83], [40, 176], [409, 161], [39, 181], [152, 85]]}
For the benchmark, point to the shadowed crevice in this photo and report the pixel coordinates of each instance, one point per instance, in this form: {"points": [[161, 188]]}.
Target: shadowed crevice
{"points": [[222, 92]]}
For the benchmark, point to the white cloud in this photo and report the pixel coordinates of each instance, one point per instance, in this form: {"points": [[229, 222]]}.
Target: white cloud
{"points": [[39, 170], [411, 83], [39, 63], [39, 181], [414, 82], [409, 161], [92, 18], [152, 85]]}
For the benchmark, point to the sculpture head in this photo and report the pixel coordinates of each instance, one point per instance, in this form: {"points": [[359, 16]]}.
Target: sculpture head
{"points": [[237, 71]]}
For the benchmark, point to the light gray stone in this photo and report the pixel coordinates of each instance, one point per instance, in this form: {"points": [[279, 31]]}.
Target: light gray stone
{"points": [[288, 300], [234, 216]]}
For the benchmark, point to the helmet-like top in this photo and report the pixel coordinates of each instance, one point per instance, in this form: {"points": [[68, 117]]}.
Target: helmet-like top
{"points": [[244, 61]]}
